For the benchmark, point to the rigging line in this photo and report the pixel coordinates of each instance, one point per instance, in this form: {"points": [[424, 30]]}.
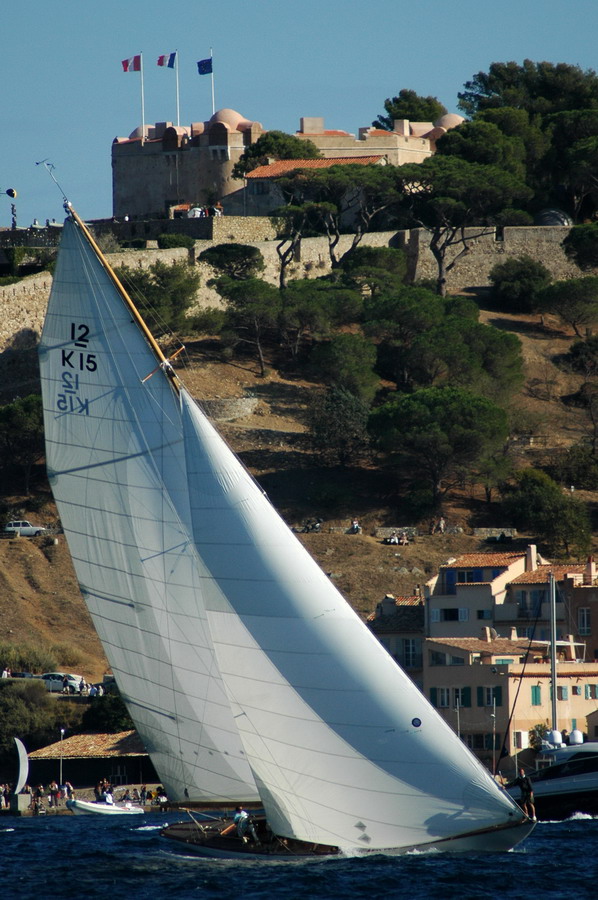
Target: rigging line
{"points": [[517, 692], [149, 310], [49, 167]]}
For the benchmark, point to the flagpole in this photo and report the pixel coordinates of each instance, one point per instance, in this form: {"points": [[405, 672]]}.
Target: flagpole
{"points": [[142, 99], [176, 71], [212, 67]]}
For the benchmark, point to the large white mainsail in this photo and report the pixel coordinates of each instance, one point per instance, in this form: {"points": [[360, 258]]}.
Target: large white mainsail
{"points": [[344, 748], [115, 459]]}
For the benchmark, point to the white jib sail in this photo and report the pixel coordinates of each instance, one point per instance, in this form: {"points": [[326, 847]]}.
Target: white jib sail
{"points": [[344, 748], [115, 459]]}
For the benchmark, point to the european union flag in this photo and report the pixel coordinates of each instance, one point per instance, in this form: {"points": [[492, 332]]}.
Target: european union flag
{"points": [[204, 66]]}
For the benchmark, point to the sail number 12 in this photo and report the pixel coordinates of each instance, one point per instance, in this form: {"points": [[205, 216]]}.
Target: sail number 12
{"points": [[77, 360], [69, 400]]}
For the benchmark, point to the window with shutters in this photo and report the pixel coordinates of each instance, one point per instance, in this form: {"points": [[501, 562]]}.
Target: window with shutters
{"points": [[444, 697], [462, 697], [583, 620]]}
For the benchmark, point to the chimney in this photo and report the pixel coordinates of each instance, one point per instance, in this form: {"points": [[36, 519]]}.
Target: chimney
{"points": [[513, 635], [401, 126], [388, 605], [570, 649], [590, 572], [311, 125], [486, 635], [531, 558]]}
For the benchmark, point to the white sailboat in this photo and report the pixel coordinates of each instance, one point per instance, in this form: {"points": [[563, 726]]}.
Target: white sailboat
{"points": [[218, 623]]}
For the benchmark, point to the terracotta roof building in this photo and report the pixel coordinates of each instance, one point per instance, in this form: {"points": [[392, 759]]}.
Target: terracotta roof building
{"points": [[507, 591], [280, 167]]}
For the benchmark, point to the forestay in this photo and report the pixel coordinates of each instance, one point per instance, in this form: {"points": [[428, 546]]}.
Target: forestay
{"points": [[344, 748], [115, 458]]}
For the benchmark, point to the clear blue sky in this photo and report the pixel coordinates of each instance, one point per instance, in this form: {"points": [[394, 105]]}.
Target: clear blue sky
{"points": [[65, 96]]}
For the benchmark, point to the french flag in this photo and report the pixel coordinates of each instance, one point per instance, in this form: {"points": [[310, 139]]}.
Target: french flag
{"points": [[168, 60], [132, 65]]}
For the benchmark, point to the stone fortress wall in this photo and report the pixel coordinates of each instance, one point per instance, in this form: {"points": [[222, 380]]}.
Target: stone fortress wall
{"points": [[23, 304], [541, 243]]}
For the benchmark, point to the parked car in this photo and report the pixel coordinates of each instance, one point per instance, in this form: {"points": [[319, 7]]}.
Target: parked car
{"points": [[54, 682], [22, 675], [24, 528]]}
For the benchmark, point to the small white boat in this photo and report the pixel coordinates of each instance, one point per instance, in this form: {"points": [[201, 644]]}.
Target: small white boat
{"points": [[80, 807]]}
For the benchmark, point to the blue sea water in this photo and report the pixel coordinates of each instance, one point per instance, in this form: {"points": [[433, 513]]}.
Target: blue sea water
{"points": [[89, 857]]}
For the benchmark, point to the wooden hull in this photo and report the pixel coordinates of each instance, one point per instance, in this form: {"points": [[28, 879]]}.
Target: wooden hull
{"points": [[207, 841]]}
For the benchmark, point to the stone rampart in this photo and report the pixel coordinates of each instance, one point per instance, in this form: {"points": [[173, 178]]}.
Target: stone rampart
{"points": [[23, 304], [23, 307], [495, 532], [542, 244], [219, 229], [230, 409]]}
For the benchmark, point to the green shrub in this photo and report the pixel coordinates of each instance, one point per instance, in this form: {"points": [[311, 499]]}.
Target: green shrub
{"points": [[15, 256], [238, 261], [108, 243], [582, 357], [27, 658], [208, 321], [169, 241], [576, 466], [68, 655], [517, 282]]}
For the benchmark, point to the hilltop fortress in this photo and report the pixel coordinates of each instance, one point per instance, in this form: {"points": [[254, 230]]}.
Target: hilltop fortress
{"points": [[166, 166]]}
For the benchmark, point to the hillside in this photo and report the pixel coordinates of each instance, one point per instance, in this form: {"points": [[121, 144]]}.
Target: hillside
{"points": [[39, 599]]}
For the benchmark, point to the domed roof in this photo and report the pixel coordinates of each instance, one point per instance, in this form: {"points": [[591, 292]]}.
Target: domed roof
{"points": [[436, 133], [138, 132], [231, 118], [449, 120]]}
